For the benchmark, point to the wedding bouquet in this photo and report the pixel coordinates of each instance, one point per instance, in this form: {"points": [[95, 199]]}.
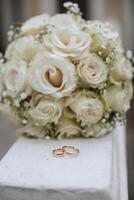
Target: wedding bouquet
{"points": [[65, 77]]}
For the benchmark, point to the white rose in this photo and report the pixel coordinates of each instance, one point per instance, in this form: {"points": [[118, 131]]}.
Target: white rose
{"points": [[121, 70], [24, 48], [87, 107], [52, 75], [66, 20], [35, 24], [45, 110], [69, 42], [68, 128], [92, 71], [14, 75], [117, 98], [32, 131]]}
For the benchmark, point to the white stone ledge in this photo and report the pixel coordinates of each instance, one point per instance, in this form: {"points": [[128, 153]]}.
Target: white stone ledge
{"points": [[30, 172]]}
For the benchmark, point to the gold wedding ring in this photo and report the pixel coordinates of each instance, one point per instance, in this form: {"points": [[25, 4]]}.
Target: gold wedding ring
{"points": [[66, 150], [71, 151], [58, 152]]}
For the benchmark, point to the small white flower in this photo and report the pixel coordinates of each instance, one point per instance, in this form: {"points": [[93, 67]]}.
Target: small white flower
{"points": [[47, 137], [104, 38], [108, 60], [104, 29], [4, 93], [129, 54], [23, 95], [103, 121], [37, 124], [106, 115], [100, 52], [72, 7], [24, 121], [17, 103]]}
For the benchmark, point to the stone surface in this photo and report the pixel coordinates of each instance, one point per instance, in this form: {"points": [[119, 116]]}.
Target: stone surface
{"points": [[29, 171]]}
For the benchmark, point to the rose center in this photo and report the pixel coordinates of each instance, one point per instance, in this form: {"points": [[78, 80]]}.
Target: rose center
{"points": [[55, 77], [92, 70]]}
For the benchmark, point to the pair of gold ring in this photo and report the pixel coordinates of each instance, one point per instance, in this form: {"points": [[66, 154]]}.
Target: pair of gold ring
{"points": [[66, 150]]}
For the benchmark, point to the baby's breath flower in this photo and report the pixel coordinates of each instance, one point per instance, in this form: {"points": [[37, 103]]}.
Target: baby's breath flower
{"points": [[16, 103], [47, 29], [106, 115], [108, 60], [2, 59], [24, 121], [36, 124], [4, 94], [14, 32], [129, 54], [23, 95], [47, 137], [26, 104], [103, 120], [72, 8]]}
